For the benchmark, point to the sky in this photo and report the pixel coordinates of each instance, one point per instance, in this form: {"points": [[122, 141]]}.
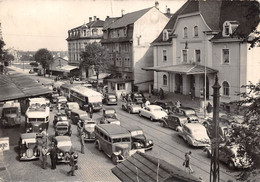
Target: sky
{"points": [[33, 24]]}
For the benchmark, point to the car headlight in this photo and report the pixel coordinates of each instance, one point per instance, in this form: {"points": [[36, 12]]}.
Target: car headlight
{"points": [[23, 154], [150, 141], [40, 129], [61, 154]]}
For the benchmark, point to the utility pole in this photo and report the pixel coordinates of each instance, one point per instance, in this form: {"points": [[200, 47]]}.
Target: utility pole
{"points": [[214, 165]]}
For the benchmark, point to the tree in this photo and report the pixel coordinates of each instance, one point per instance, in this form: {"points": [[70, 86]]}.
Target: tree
{"points": [[44, 57], [8, 57], [95, 56], [247, 133], [2, 51]]}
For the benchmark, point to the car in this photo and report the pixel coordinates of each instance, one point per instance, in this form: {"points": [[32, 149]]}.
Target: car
{"points": [[139, 140], [88, 129], [195, 134], [31, 72], [78, 114], [110, 99], [69, 106], [109, 117], [63, 128], [153, 112], [188, 112], [173, 121], [54, 97], [131, 107], [164, 104], [64, 147], [136, 97], [28, 148], [59, 117], [61, 102], [223, 120], [233, 155]]}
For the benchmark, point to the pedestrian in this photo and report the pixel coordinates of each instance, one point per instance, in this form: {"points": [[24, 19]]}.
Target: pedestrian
{"points": [[82, 141], [186, 162], [147, 103], [53, 155], [72, 165], [45, 153], [161, 93], [44, 138], [90, 109]]}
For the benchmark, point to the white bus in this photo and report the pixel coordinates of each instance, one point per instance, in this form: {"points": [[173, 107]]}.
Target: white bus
{"points": [[85, 96], [37, 118]]}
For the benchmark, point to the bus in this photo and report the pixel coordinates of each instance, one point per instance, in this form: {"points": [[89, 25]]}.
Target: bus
{"points": [[37, 118], [65, 90], [85, 96], [115, 141], [10, 113]]}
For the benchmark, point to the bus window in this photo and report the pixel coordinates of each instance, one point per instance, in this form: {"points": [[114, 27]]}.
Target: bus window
{"points": [[106, 137], [32, 119], [86, 99], [41, 119], [116, 140], [13, 111], [109, 139], [125, 139]]}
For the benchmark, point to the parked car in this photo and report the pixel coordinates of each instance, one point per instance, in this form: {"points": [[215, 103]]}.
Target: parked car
{"points": [[110, 99], [63, 128], [195, 134], [64, 147], [233, 155], [28, 149], [153, 112], [188, 112], [54, 97], [88, 128], [224, 128], [139, 140], [61, 102], [173, 121], [109, 117], [59, 117], [78, 114], [131, 107], [31, 72], [164, 104], [136, 97], [69, 106]]}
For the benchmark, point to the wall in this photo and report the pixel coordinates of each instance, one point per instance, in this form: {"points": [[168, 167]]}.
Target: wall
{"points": [[149, 26], [253, 65]]}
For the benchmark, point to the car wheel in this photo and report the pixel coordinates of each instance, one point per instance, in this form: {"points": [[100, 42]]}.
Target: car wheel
{"points": [[114, 159], [140, 113], [98, 146], [205, 124], [163, 124], [231, 165], [151, 118]]}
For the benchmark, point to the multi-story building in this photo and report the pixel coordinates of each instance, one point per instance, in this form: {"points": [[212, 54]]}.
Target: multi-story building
{"points": [[204, 39], [78, 37], [128, 39]]}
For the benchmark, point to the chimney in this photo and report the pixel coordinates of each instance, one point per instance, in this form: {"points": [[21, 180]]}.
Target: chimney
{"points": [[122, 12], [95, 18], [168, 11], [107, 16], [90, 19], [157, 5]]}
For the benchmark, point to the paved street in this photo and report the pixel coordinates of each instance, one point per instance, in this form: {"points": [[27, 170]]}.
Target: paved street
{"points": [[95, 165]]}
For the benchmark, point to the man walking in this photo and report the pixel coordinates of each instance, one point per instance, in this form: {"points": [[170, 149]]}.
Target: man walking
{"points": [[186, 163], [72, 165], [53, 156], [45, 153]]}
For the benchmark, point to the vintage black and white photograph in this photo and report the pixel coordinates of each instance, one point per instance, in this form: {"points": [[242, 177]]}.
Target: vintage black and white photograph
{"points": [[130, 90]]}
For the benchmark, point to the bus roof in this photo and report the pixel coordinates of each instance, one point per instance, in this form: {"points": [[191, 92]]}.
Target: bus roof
{"points": [[133, 128], [114, 130], [85, 91], [28, 135], [65, 85]]}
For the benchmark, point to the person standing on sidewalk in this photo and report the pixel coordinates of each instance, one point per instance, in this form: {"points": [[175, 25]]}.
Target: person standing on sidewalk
{"points": [[72, 165], [186, 163], [45, 153], [90, 109], [82, 141], [53, 156]]}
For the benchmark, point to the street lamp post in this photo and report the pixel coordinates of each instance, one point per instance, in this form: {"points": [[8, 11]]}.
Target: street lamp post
{"points": [[214, 165]]}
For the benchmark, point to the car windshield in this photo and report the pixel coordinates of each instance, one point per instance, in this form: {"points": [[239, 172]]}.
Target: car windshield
{"points": [[137, 132], [89, 122], [36, 119], [62, 128], [111, 96], [64, 144]]}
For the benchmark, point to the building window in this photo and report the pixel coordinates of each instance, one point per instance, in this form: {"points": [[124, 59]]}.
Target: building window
{"points": [[185, 32], [226, 29], [225, 53], [164, 55], [127, 62], [184, 56], [94, 31], [121, 86], [84, 32], [164, 80], [196, 33], [197, 55], [225, 88]]}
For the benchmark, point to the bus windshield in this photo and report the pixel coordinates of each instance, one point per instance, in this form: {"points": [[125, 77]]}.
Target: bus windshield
{"points": [[36, 119]]}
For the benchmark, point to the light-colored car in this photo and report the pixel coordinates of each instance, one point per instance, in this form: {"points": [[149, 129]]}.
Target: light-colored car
{"points": [[195, 134], [153, 112], [131, 107], [88, 128], [109, 117], [70, 106], [28, 149], [229, 155], [61, 102]]}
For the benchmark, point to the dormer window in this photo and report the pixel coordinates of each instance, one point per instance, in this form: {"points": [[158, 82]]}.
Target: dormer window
{"points": [[229, 28], [165, 35]]}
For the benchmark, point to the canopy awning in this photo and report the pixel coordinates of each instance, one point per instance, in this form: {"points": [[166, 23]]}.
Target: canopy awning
{"points": [[67, 68], [188, 69], [17, 86], [101, 76]]}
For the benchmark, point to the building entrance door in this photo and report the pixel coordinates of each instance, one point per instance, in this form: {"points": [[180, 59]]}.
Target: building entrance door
{"points": [[178, 83]]}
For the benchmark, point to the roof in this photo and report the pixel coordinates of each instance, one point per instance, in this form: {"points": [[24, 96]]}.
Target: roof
{"points": [[85, 91], [17, 86], [194, 126], [146, 166], [28, 135], [79, 111], [97, 23], [133, 128], [113, 129], [67, 68], [188, 69], [128, 19], [154, 106], [62, 138], [109, 21]]}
